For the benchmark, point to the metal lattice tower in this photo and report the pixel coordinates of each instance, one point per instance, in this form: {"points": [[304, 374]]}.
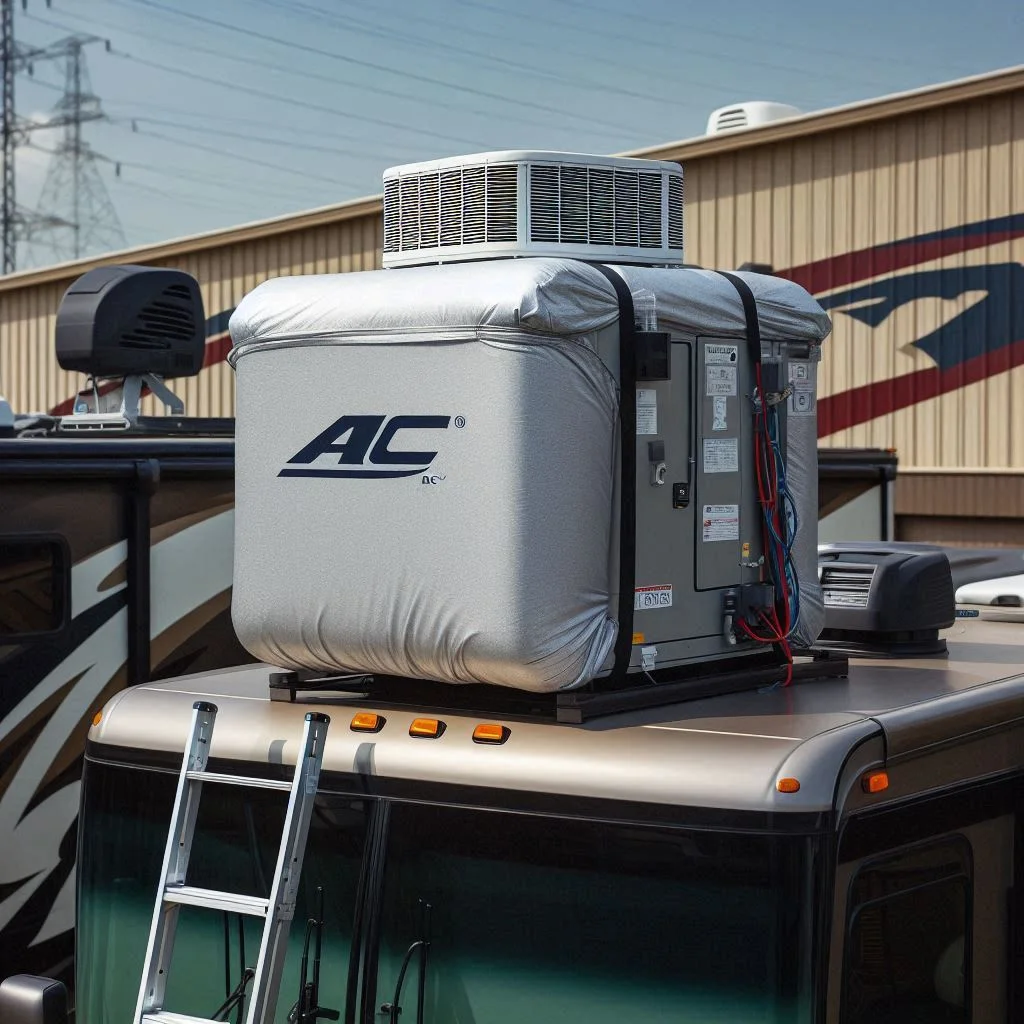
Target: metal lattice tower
{"points": [[8, 131], [77, 216]]}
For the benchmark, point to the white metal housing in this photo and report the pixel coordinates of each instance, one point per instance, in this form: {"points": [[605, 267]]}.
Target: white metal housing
{"points": [[517, 203]]}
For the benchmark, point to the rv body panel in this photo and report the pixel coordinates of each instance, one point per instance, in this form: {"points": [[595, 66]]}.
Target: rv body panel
{"points": [[91, 616], [726, 751]]}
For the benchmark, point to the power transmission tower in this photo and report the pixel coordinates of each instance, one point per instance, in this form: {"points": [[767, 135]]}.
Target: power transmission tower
{"points": [[76, 216], [13, 219], [8, 132]]}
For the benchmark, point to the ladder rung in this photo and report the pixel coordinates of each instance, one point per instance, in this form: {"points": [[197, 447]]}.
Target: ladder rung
{"points": [[239, 780], [163, 1017], [212, 899]]}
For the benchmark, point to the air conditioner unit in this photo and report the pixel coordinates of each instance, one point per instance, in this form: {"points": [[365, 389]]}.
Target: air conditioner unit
{"points": [[528, 472], [748, 115], [507, 204]]}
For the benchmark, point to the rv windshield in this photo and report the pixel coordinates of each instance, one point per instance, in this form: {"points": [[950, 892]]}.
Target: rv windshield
{"points": [[532, 918]]}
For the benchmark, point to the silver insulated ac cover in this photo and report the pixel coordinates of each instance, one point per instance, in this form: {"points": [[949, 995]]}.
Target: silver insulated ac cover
{"points": [[426, 458]]}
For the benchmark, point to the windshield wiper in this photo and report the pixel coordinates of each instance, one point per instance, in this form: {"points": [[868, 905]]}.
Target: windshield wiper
{"points": [[421, 946], [307, 1009]]}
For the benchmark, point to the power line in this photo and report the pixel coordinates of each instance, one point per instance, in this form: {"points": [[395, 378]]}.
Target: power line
{"points": [[668, 74], [302, 172], [223, 83], [176, 174], [311, 147], [657, 44], [263, 65], [187, 198], [382, 32], [860, 57], [307, 105], [370, 65]]}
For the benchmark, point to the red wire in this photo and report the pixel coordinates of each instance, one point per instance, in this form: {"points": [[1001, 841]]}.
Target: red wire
{"points": [[767, 494]]}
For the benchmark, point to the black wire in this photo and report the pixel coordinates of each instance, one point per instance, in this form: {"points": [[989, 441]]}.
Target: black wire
{"points": [[449, 27], [465, 54], [662, 23], [225, 83], [372, 66], [264, 66], [224, 133]]}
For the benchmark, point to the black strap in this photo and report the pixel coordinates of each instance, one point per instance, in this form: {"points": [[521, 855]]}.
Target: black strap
{"points": [[749, 312], [627, 482]]}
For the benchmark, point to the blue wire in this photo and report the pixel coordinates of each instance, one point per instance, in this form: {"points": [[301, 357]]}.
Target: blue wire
{"points": [[783, 575]]}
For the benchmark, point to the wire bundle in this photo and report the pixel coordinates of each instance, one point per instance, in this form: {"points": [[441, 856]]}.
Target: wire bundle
{"points": [[780, 523]]}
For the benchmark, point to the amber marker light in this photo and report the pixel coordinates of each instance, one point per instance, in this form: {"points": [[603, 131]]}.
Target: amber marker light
{"points": [[489, 733], [366, 721], [788, 785], [875, 782], [427, 728], [97, 718]]}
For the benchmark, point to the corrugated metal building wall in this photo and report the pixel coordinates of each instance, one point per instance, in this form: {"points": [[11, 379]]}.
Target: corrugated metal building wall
{"points": [[904, 216]]}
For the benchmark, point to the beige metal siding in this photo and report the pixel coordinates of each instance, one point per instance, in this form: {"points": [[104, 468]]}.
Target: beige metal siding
{"points": [[842, 192]]}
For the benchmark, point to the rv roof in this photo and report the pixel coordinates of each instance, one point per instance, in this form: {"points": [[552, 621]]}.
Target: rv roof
{"points": [[721, 752]]}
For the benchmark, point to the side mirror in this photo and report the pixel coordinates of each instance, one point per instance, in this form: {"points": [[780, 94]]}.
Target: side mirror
{"points": [[26, 999]]}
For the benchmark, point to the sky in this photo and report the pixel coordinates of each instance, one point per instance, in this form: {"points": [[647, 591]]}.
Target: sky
{"points": [[222, 112]]}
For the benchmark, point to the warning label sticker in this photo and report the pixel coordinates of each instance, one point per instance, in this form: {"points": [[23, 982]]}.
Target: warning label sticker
{"points": [[721, 455], [718, 414], [720, 354], [646, 411], [721, 522], [721, 380], [653, 597]]}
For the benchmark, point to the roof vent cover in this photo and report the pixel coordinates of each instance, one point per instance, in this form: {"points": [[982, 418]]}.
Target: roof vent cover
{"points": [[508, 204], [748, 115]]}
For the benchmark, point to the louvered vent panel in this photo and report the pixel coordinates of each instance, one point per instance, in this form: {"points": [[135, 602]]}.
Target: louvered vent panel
{"points": [[735, 118], [848, 587], [627, 208], [409, 196], [451, 207], [502, 203], [430, 185], [473, 205], [573, 203], [544, 203], [392, 213], [574, 216], [675, 213], [650, 211], [602, 205]]}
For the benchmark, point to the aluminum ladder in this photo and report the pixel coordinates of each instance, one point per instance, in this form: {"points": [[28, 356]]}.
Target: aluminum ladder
{"points": [[277, 909]]}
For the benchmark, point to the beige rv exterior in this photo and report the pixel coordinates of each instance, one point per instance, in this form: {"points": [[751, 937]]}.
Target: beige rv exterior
{"points": [[903, 215]]}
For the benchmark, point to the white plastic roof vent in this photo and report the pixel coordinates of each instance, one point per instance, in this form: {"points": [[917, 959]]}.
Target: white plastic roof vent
{"points": [[507, 204], [748, 115]]}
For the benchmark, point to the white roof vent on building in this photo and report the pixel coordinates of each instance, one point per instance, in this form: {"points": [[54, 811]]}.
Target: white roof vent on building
{"points": [[507, 204], [748, 115]]}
